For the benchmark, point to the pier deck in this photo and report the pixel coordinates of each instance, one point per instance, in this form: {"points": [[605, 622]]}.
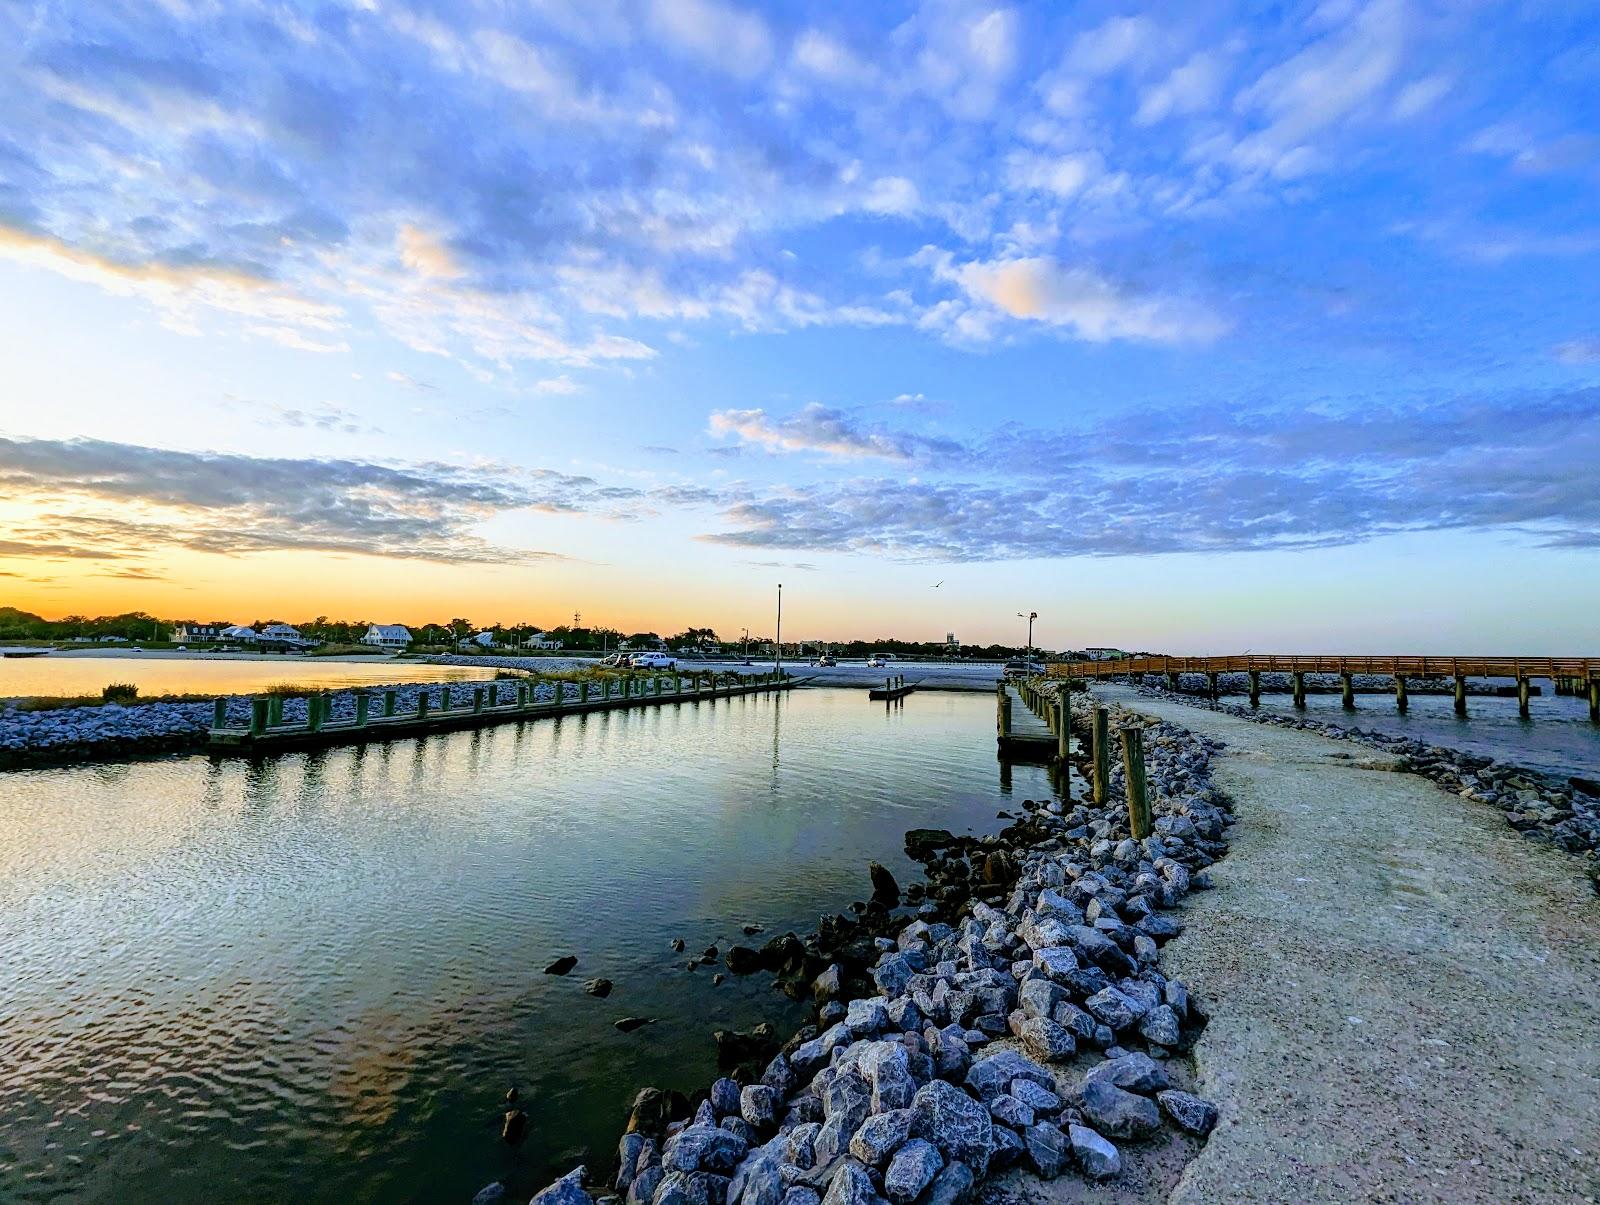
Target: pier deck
{"points": [[261, 738], [1023, 735]]}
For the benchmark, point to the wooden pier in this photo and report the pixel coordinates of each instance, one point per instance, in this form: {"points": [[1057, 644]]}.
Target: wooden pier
{"points": [[893, 688], [266, 733], [1028, 724], [1569, 675]]}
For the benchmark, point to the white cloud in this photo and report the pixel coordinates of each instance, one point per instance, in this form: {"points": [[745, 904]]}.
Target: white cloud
{"points": [[562, 384], [1421, 95], [1118, 43], [720, 35], [1063, 175], [1190, 88], [1579, 351], [425, 254], [1039, 289], [892, 195], [829, 59]]}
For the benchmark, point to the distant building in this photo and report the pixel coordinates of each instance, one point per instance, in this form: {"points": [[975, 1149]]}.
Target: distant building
{"points": [[1099, 654], [387, 635], [539, 640], [282, 631], [485, 640], [197, 633], [241, 633]]}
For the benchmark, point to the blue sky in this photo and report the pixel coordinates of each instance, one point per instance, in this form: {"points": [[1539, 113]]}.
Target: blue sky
{"points": [[1240, 325]]}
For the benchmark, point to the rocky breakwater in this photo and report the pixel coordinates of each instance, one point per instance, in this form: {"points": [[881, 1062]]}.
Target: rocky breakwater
{"points": [[74, 734], [1564, 813], [1019, 1020]]}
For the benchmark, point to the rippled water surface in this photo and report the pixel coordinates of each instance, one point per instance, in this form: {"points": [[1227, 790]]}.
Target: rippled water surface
{"points": [[154, 674], [313, 979], [1558, 737]]}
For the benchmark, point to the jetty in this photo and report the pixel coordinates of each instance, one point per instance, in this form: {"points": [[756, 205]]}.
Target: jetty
{"points": [[1568, 675], [893, 688], [492, 703]]}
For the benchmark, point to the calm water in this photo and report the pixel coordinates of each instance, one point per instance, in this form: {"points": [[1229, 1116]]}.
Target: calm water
{"points": [[315, 978], [1558, 737], [154, 674]]}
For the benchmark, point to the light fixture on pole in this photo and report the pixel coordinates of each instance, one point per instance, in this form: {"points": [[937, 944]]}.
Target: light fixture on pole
{"points": [[780, 630], [1030, 617]]}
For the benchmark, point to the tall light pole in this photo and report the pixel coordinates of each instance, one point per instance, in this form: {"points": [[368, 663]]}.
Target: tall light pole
{"points": [[779, 665], [747, 644], [1030, 617]]}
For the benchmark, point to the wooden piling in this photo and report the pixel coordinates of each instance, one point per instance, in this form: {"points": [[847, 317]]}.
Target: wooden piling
{"points": [[1063, 735], [494, 694], [1255, 688], [1172, 682], [219, 713], [1297, 683], [388, 703], [1522, 696], [363, 702], [1211, 685], [1400, 700], [422, 704], [314, 713], [1133, 770], [274, 711], [1347, 690], [1594, 700], [258, 716], [1461, 695], [1101, 753]]}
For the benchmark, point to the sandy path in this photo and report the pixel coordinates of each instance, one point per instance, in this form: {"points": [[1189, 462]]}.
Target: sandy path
{"points": [[1405, 993]]}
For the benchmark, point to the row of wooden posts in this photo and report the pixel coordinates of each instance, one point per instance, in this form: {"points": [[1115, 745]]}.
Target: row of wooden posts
{"points": [[1347, 689], [1055, 710], [266, 711]]}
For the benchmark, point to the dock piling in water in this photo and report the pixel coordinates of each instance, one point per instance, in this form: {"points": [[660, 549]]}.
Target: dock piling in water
{"points": [[1461, 695], [1133, 770], [363, 703], [1297, 682], [1522, 696], [389, 697], [1347, 690], [1255, 688], [1101, 752], [258, 716], [1400, 700], [219, 713]]}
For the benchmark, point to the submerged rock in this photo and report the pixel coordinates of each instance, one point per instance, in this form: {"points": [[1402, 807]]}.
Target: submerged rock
{"points": [[562, 965], [598, 987]]}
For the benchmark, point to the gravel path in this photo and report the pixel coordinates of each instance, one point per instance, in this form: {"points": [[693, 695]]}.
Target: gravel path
{"points": [[1405, 994]]}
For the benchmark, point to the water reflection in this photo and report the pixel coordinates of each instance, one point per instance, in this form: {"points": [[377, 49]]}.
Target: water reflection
{"points": [[331, 961]]}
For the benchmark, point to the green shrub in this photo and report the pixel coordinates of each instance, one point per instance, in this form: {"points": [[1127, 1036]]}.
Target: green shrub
{"points": [[120, 692]]}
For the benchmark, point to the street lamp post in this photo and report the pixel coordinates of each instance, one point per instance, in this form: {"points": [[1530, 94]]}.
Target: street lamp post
{"points": [[779, 664], [746, 645], [1030, 617]]}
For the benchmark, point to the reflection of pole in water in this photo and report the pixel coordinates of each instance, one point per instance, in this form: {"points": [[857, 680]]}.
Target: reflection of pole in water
{"points": [[1005, 777], [777, 697]]}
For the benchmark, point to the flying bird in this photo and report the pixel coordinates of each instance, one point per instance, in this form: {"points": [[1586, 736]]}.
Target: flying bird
{"points": [[937, 584]]}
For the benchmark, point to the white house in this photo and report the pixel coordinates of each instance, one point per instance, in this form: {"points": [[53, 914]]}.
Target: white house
{"points": [[485, 640], [538, 640], [282, 631], [196, 633], [387, 635], [241, 633]]}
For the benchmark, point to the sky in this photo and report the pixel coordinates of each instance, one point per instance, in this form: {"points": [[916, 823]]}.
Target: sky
{"points": [[1200, 328]]}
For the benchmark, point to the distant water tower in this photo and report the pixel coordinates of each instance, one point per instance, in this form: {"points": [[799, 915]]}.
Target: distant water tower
{"points": [[950, 639]]}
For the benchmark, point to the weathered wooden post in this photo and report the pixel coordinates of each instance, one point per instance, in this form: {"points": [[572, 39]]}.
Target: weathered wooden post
{"points": [[1063, 733], [1461, 695], [1101, 753], [274, 710], [388, 703], [1594, 700], [494, 694], [1400, 701], [1347, 690], [1297, 687], [477, 700], [1002, 715], [258, 716], [314, 713], [219, 713], [362, 704], [1133, 771], [1172, 681], [422, 704], [1211, 683], [1522, 696], [677, 684], [1255, 688]]}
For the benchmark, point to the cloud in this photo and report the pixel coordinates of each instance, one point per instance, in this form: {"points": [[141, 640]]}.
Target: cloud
{"points": [[1417, 97], [1085, 304], [1207, 480], [1190, 88], [818, 54], [892, 195], [1579, 351], [1112, 46], [818, 428], [425, 254], [720, 35], [234, 505]]}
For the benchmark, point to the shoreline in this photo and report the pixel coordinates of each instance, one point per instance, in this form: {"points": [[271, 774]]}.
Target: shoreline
{"points": [[1017, 1025]]}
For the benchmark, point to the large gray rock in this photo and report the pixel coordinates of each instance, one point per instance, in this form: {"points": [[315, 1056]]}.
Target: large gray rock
{"points": [[799, 1194], [847, 1095], [851, 1185], [911, 1170], [645, 1183], [1099, 1158], [687, 1188], [867, 1018], [758, 1105], [880, 1136], [1058, 962], [725, 1097], [1114, 1008], [892, 974], [992, 1075], [1040, 1100], [1133, 1072], [1008, 1110], [951, 1186], [1118, 1113], [566, 1191], [955, 1123], [700, 1148], [1160, 1025], [887, 1068], [1193, 1115], [1038, 998], [1047, 1041], [758, 1181], [628, 1159], [1047, 1149]]}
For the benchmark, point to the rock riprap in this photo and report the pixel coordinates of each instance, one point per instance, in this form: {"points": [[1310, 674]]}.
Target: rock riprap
{"points": [[942, 1039]]}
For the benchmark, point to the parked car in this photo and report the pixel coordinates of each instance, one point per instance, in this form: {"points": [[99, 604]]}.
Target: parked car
{"points": [[1022, 669], [652, 661], [614, 659], [877, 661], [826, 660]]}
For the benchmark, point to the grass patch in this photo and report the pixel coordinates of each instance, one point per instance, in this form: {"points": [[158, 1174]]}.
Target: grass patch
{"points": [[120, 692], [291, 689]]}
